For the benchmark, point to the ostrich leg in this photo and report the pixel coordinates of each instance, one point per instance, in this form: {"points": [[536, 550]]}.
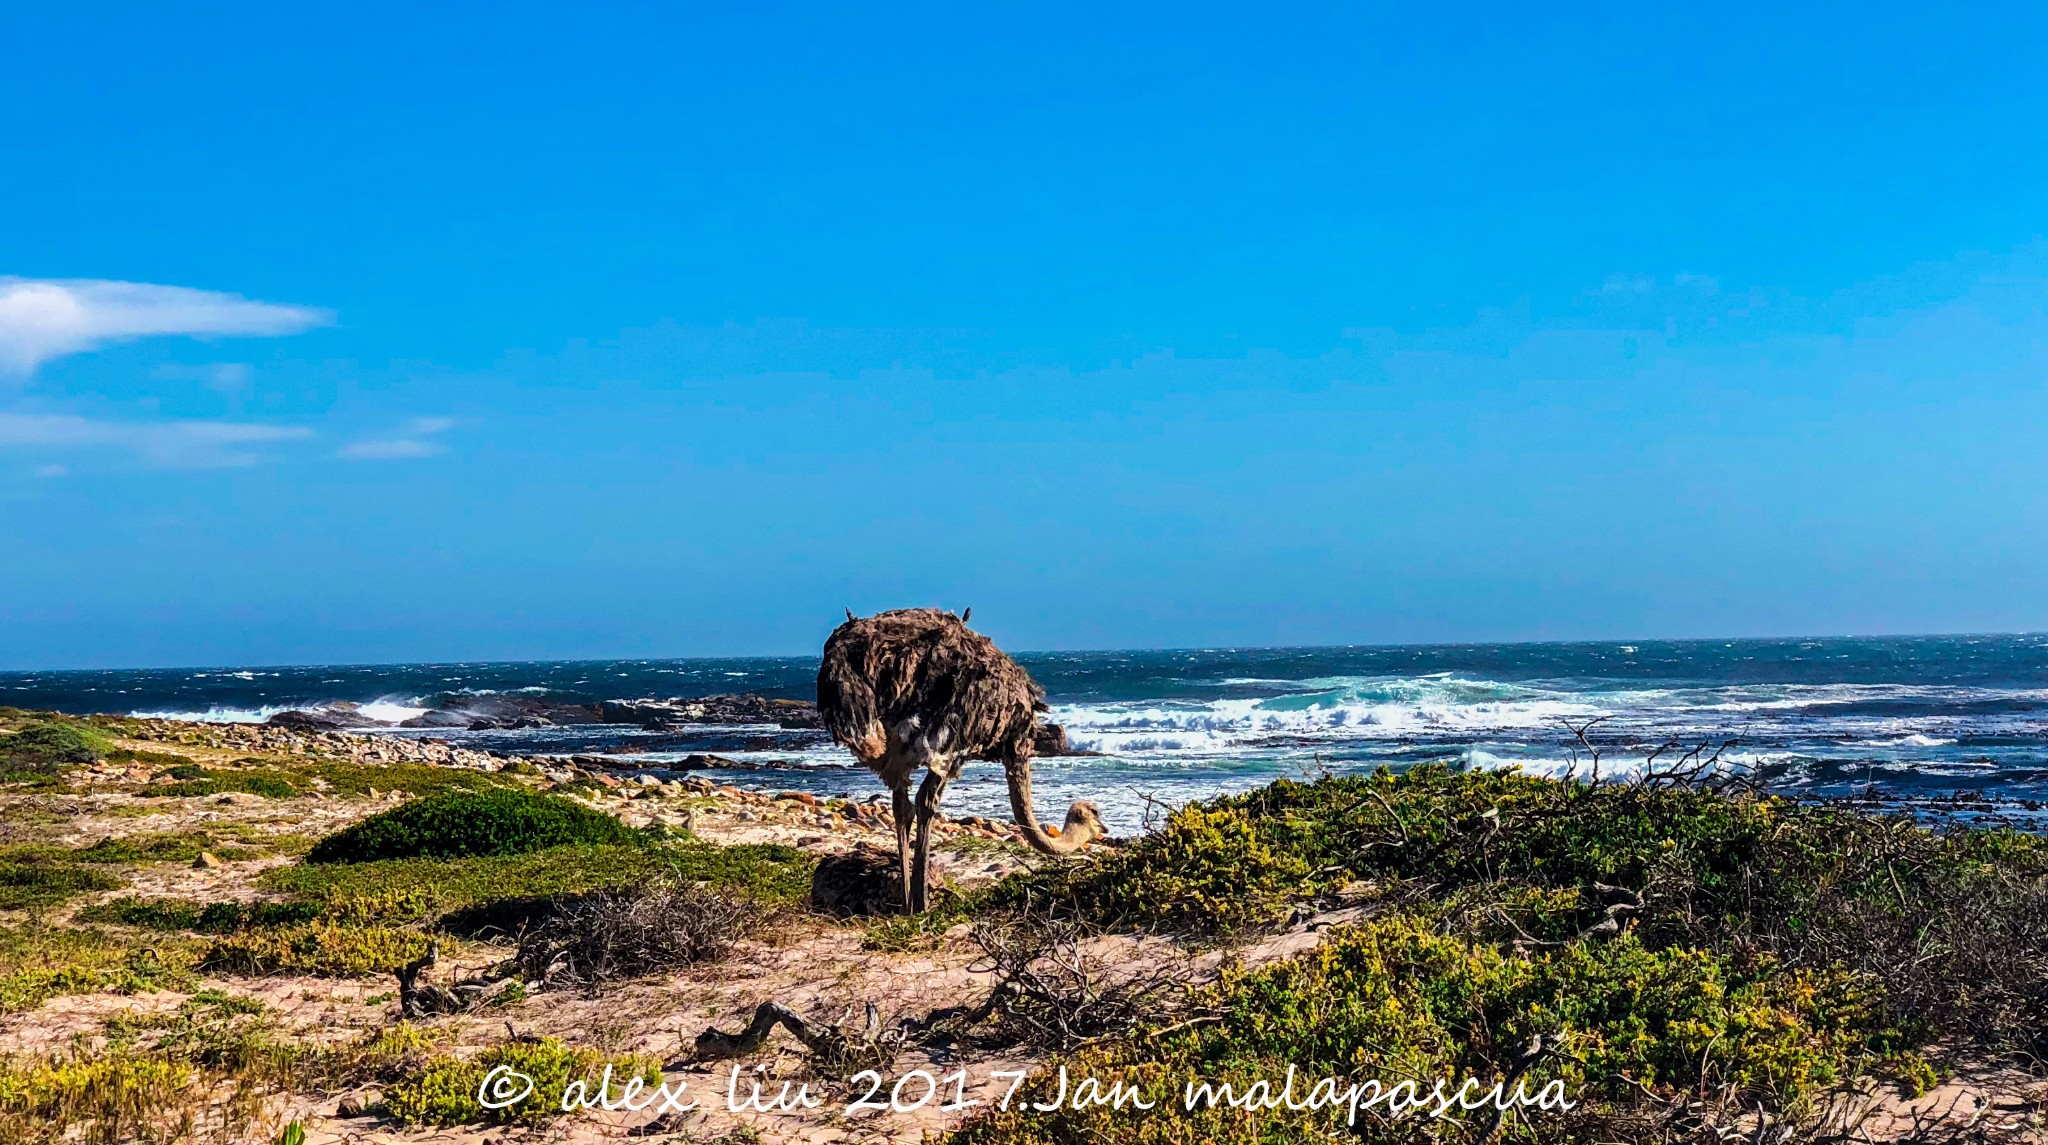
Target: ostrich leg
{"points": [[902, 809], [928, 795]]}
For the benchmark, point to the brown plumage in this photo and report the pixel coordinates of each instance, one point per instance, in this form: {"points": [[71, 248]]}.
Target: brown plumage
{"points": [[916, 689]]}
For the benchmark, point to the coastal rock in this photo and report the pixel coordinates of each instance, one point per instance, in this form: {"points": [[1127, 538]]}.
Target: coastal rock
{"points": [[1051, 739], [742, 708], [493, 712], [438, 718], [326, 718]]}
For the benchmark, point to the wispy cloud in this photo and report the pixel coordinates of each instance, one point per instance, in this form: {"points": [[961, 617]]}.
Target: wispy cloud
{"points": [[41, 319], [412, 442], [169, 444], [230, 378]]}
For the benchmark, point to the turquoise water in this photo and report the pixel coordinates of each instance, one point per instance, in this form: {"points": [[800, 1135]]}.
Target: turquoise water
{"points": [[1911, 715]]}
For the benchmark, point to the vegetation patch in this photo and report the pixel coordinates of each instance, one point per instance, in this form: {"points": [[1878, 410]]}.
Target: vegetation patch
{"points": [[168, 847], [40, 962], [41, 883], [205, 1071], [191, 780], [444, 1092], [45, 749], [324, 947], [1682, 953], [418, 779], [1397, 998], [462, 824], [192, 915], [415, 889]]}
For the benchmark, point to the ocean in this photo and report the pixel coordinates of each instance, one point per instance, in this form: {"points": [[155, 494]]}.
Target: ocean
{"points": [[1910, 716]]}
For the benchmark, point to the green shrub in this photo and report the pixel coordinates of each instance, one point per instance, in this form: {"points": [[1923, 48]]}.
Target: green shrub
{"points": [[38, 963], [458, 825], [54, 742], [445, 1092], [1209, 870], [146, 913], [198, 781], [420, 779], [168, 847], [111, 1097], [190, 915], [326, 947], [29, 884], [417, 889], [1397, 998], [48, 748]]}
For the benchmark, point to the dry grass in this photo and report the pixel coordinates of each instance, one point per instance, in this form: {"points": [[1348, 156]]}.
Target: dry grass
{"points": [[651, 928]]}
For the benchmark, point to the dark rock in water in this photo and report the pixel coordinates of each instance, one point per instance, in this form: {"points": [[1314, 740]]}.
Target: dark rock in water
{"points": [[491, 713], [1051, 739], [330, 718], [744, 708], [438, 718], [1048, 739], [864, 881]]}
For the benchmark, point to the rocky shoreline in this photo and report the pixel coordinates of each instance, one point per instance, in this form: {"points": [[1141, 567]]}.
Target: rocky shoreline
{"points": [[511, 713], [505, 713], [616, 778]]}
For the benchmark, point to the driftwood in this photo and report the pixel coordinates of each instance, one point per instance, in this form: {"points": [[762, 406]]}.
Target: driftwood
{"points": [[834, 1048], [417, 1000]]}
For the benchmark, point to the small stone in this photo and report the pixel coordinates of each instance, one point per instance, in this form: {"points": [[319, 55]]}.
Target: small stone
{"points": [[207, 861]]}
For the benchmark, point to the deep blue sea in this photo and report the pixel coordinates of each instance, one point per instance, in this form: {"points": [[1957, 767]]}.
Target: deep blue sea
{"points": [[1911, 715]]}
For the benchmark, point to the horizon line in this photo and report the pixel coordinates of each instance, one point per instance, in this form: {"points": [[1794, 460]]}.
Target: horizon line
{"points": [[1211, 648]]}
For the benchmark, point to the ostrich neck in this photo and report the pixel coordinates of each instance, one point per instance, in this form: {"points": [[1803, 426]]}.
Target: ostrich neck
{"points": [[1073, 838]]}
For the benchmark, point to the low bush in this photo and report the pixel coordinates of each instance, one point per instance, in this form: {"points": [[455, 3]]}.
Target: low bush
{"points": [[459, 825]]}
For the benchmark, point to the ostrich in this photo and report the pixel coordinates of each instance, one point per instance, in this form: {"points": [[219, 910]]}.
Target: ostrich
{"points": [[916, 688]]}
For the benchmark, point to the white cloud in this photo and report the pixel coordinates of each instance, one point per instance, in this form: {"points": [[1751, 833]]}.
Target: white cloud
{"points": [[52, 470], [400, 448], [41, 319], [389, 449], [170, 444]]}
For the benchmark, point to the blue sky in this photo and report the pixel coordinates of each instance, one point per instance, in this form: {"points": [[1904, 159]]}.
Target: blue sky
{"points": [[515, 331]]}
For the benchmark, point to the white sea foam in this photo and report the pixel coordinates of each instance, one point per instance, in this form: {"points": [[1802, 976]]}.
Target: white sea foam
{"points": [[391, 710], [1330, 708], [216, 715]]}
